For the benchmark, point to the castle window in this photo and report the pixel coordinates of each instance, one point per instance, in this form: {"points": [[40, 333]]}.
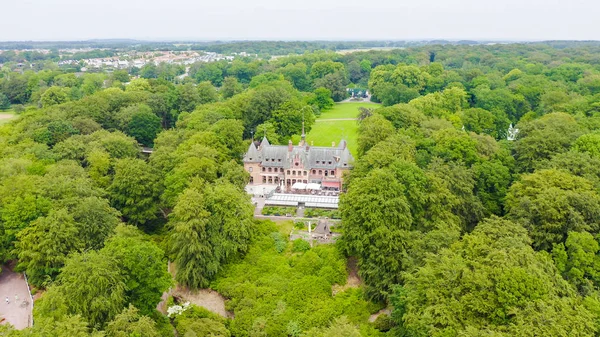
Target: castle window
{"points": [[294, 173], [281, 169], [288, 172], [317, 162], [249, 158], [326, 173], [263, 169], [320, 172], [345, 164], [264, 180], [332, 172], [270, 170], [279, 160], [314, 172], [266, 159], [305, 172], [249, 169], [330, 162], [296, 164]]}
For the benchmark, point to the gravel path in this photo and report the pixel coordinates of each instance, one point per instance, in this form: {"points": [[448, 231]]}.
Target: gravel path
{"points": [[15, 313]]}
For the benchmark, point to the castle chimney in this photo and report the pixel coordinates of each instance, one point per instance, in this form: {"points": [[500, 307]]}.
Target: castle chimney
{"points": [[290, 146]]}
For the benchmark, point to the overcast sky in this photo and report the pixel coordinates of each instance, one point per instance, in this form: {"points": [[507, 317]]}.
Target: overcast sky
{"points": [[304, 19]]}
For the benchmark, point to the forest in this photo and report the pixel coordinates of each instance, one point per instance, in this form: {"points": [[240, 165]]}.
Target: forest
{"points": [[473, 208]]}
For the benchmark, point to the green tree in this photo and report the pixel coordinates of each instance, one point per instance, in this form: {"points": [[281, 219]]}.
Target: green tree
{"points": [[149, 70], [455, 145], [578, 261], [95, 220], [130, 323], [323, 98], [479, 121], [230, 87], [341, 327], [211, 225], [492, 180], [4, 102], [121, 76], [551, 203], [90, 285], [142, 265], [402, 116], [134, 190], [393, 217], [207, 93], [53, 96], [542, 138], [321, 69], [289, 117], [589, 143], [144, 126], [297, 75], [189, 97], [55, 132], [74, 326], [336, 83], [371, 131], [43, 247], [490, 283]]}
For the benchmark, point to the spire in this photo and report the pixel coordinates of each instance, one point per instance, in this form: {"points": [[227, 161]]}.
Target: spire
{"points": [[264, 142], [252, 155], [303, 138]]}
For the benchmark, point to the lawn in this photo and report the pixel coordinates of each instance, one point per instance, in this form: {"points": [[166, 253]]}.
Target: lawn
{"points": [[346, 110], [323, 133]]}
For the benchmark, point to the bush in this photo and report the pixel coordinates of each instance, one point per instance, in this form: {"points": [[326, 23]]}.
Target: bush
{"points": [[300, 246], [278, 211], [384, 323], [280, 243], [318, 212]]}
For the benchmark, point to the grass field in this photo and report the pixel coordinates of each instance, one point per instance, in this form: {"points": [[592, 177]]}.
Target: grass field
{"points": [[346, 110], [6, 116], [323, 133]]}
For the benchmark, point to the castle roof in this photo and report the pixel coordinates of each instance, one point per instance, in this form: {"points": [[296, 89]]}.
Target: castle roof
{"points": [[311, 157]]}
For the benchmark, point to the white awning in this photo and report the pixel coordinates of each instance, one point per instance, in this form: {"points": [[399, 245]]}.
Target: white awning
{"points": [[313, 186], [299, 186]]}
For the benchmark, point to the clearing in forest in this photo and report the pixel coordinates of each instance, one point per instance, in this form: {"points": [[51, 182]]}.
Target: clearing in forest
{"points": [[337, 124], [5, 117]]}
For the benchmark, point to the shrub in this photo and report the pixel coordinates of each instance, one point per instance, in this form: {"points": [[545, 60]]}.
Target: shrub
{"points": [[300, 245]]}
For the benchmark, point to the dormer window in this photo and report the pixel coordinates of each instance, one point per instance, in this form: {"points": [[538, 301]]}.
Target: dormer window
{"points": [[317, 161], [330, 162], [279, 160]]}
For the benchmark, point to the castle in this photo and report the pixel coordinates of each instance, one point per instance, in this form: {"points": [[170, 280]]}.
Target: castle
{"points": [[285, 166]]}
